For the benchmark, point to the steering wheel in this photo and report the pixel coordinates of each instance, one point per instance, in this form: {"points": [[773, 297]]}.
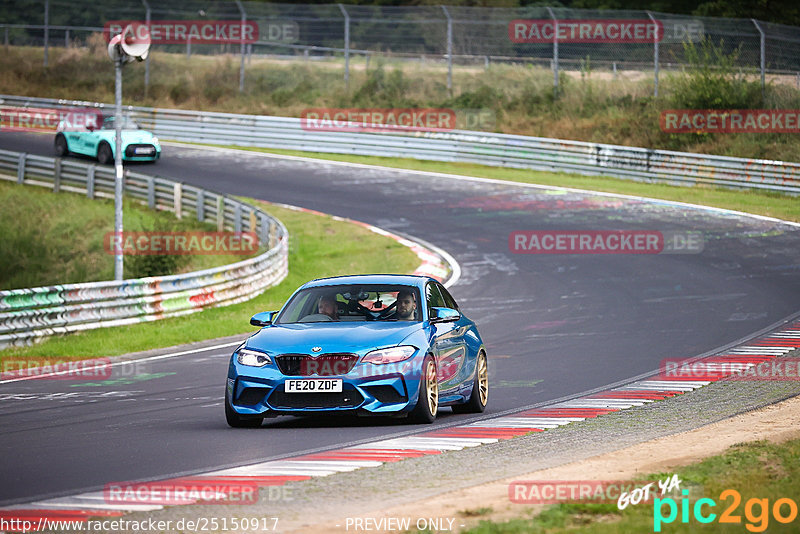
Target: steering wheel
{"points": [[387, 312]]}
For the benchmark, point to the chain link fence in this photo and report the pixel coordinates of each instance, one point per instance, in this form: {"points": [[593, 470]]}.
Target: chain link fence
{"points": [[556, 38]]}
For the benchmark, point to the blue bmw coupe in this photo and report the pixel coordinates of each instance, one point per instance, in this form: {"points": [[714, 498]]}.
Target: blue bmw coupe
{"points": [[388, 345]]}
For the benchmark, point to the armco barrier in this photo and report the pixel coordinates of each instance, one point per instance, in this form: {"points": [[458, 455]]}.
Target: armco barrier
{"points": [[27, 314], [502, 150]]}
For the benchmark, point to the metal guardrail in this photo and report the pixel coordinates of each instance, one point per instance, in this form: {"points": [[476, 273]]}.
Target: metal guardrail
{"points": [[501, 150], [27, 314]]}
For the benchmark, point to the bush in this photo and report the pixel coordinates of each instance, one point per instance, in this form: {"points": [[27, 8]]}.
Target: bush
{"points": [[180, 92], [380, 89], [713, 81], [141, 266]]}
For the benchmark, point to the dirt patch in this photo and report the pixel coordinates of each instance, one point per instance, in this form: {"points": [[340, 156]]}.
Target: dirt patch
{"points": [[776, 423]]}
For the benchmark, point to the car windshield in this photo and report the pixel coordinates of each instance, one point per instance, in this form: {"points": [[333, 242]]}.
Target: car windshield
{"points": [[373, 302], [127, 124]]}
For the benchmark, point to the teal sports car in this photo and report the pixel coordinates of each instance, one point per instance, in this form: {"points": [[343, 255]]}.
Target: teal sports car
{"points": [[137, 144]]}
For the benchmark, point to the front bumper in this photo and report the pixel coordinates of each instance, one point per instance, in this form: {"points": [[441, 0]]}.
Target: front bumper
{"points": [[141, 152], [366, 389]]}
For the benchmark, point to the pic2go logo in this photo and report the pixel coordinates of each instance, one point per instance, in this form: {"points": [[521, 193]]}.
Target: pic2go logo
{"points": [[756, 511]]}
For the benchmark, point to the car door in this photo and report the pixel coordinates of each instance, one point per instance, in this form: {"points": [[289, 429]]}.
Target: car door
{"points": [[75, 141], [449, 346]]}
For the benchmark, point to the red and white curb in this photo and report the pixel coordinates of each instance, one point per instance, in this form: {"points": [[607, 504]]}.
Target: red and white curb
{"points": [[278, 472]]}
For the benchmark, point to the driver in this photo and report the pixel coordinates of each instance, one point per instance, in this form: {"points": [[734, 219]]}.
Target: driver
{"points": [[406, 306], [327, 306]]}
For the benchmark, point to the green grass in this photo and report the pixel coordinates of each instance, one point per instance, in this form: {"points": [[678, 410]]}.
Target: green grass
{"points": [[51, 239], [758, 470], [760, 203], [319, 246]]}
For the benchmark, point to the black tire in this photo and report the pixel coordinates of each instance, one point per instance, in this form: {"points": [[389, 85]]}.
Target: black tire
{"points": [[480, 389], [237, 421], [104, 154], [62, 149], [428, 403]]}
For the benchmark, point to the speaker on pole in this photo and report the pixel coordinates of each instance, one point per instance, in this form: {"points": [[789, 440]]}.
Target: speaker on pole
{"points": [[132, 44]]}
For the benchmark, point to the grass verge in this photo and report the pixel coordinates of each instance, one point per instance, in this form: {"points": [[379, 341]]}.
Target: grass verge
{"points": [[51, 239], [319, 246], [757, 471], [759, 203]]}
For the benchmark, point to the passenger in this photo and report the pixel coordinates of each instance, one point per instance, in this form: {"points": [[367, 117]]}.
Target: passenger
{"points": [[327, 306], [405, 306]]}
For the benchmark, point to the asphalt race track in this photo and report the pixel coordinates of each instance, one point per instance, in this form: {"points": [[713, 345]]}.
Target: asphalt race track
{"points": [[555, 325]]}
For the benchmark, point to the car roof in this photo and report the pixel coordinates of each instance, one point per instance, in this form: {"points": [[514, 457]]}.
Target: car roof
{"points": [[399, 279]]}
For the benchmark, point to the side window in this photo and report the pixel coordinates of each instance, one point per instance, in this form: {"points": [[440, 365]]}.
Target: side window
{"points": [[449, 301], [434, 297]]}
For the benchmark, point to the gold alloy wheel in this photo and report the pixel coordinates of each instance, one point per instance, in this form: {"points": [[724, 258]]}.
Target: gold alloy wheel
{"points": [[432, 387], [483, 379]]}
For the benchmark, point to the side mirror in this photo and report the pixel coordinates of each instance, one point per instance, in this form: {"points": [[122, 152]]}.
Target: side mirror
{"points": [[262, 318], [444, 315]]}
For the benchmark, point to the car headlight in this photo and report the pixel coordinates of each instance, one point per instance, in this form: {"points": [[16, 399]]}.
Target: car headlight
{"points": [[390, 355], [252, 358], [155, 140]]}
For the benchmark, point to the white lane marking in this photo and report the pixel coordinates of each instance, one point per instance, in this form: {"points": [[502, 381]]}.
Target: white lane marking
{"points": [[277, 471], [513, 424], [530, 421], [330, 464], [677, 384], [126, 362], [761, 350], [449, 444], [659, 387], [92, 505], [592, 403], [544, 418]]}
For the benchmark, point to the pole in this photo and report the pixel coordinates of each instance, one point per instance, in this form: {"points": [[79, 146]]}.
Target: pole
{"points": [[118, 270], [763, 59], [147, 59], [241, 45], [555, 52], [46, 29], [346, 46], [655, 57], [449, 49]]}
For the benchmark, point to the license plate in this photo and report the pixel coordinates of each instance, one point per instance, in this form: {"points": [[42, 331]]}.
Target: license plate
{"points": [[143, 150], [314, 385]]}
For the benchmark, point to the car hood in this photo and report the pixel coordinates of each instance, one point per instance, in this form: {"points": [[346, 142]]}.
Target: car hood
{"points": [[330, 337], [128, 136]]}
